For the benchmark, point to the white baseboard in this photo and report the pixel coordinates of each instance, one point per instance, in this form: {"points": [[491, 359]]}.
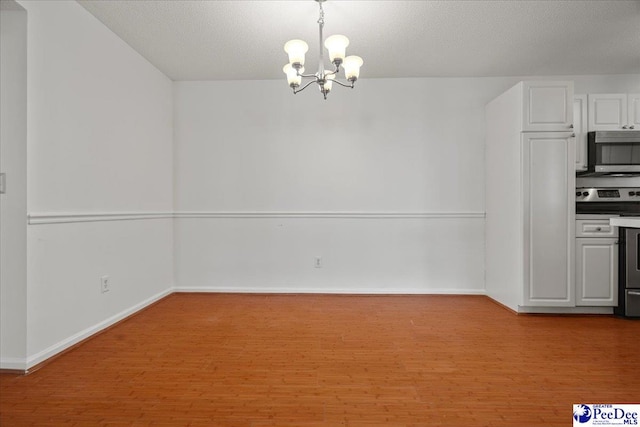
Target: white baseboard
{"points": [[564, 310], [354, 291], [13, 363], [74, 339]]}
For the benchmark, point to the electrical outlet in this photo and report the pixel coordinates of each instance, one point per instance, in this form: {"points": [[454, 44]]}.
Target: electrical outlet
{"points": [[105, 284], [318, 263]]}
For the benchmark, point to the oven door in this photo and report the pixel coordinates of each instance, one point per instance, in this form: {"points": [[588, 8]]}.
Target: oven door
{"points": [[632, 259], [632, 303], [614, 151]]}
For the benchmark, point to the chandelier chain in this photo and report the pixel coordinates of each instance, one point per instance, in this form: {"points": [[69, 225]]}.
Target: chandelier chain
{"points": [[321, 59], [321, 17]]}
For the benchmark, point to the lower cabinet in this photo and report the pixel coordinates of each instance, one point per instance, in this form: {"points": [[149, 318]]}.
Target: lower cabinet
{"points": [[596, 271]]}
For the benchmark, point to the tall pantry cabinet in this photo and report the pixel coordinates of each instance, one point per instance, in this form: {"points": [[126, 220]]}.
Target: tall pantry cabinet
{"points": [[530, 204]]}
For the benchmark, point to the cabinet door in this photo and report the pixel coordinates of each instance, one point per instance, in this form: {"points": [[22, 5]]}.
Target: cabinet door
{"points": [[596, 272], [580, 130], [549, 219], [607, 111], [633, 107], [548, 106]]}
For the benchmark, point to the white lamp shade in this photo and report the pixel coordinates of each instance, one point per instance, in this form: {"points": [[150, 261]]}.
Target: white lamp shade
{"points": [[337, 46], [352, 66], [292, 76], [328, 81], [296, 50]]}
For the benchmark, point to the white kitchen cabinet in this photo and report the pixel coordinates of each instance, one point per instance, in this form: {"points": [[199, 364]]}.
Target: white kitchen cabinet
{"points": [[595, 228], [596, 271], [547, 106], [548, 218], [614, 111], [580, 130], [530, 201]]}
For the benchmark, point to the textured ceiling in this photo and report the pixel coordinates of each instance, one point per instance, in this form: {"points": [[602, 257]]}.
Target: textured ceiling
{"points": [[236, 39]]}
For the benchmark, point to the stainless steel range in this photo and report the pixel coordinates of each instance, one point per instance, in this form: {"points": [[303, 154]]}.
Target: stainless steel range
{"points": [[607, 202]]}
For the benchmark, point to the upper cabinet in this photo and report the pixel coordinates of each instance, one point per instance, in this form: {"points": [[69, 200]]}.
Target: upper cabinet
{"points": [[580, 130], [614, 111], [548, 106]]}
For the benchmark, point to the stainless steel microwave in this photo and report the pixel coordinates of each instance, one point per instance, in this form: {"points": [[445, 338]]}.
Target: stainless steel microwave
{"points": [[613, 152]]}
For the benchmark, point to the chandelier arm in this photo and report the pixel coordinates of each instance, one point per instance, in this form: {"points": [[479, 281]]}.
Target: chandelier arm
{"points": [[304, 87], [351, 86], [332, 73], [308, 75]]}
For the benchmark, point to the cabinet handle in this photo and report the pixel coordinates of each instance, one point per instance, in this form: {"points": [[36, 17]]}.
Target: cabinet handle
{"points": [[625, 127], [570, 126], [573, 135], [598, 228], [631, 127]]}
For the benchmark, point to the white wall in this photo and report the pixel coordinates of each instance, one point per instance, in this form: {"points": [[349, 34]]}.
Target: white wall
{"points": [[401, 160], [388, 145], [623, 83], [99, 142], [504, 222], [13, 204]]}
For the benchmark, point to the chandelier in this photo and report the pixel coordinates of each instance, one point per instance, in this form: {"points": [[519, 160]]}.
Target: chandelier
{"points": [[336, 45]]}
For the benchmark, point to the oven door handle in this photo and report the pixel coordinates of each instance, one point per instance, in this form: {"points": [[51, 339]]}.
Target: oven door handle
{"points": [[636, 293]]}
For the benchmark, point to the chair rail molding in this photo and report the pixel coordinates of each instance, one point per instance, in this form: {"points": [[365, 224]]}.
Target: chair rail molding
{"points": [[329, 214], [36, 218]]}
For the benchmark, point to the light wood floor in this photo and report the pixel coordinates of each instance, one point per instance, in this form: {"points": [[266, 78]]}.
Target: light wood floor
{"points": [[322, 360]]}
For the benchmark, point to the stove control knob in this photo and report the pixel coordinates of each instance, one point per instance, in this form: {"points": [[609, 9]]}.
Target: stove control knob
{"points": [[632, 193], [585, 193], [578, 193]]}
